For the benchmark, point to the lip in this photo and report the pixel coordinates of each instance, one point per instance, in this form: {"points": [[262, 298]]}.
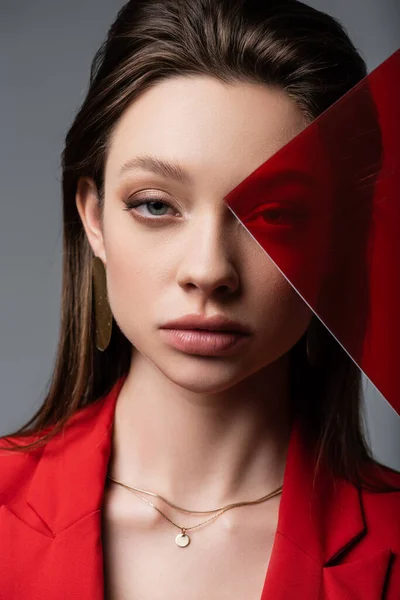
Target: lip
{"points": [[212, 336], [216, 323], [203, 342]]}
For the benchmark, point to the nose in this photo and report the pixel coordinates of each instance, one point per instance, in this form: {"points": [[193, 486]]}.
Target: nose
{"points": [[207, 263]]}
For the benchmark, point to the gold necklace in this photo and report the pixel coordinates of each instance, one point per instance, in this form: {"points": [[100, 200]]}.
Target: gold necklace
{"points": [[182, 539]]}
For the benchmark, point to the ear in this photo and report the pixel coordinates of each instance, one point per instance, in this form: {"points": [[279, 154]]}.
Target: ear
{"points": [[88, 205]]}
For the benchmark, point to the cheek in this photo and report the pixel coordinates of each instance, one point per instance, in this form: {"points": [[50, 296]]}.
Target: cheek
{"points": [[126, 276], [137, 275], [281, 313]]}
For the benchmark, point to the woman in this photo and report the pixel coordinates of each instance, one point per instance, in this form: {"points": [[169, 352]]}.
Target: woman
{"points": [[165, 461]]}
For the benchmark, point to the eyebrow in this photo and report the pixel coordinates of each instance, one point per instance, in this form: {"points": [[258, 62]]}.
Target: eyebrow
{"points": [[157, 165]]}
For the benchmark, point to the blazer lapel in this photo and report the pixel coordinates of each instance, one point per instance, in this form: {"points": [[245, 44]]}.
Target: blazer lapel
{"points": [[55, 549], [319, 523]]}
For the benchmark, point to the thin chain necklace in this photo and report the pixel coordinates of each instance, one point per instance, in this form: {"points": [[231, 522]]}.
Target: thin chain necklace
{"points": [[182, 539]]}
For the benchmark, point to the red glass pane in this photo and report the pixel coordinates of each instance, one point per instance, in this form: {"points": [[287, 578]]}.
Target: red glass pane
{"points": [[326, 209]]}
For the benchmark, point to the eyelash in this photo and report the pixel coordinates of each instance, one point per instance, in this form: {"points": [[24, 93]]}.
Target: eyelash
{"points": [[132, 204]]}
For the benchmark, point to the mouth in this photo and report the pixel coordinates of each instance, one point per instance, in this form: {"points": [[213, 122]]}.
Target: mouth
{"points": [[217, 337], [215, 324]]}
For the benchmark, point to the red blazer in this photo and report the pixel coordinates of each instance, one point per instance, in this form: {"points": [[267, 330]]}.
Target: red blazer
{"points": [[336, 543]]}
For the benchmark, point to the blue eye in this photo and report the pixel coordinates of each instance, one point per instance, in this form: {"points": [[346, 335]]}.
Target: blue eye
{"points": [[156, 208]]}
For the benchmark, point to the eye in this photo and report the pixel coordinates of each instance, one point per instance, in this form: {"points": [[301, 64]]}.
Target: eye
{"points": [[275, 214], [270, 214], [155, 207]]}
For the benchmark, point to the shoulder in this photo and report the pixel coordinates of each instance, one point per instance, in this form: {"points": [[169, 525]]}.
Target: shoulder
{"points": [[385, 476], [382, 508], [16, 467]]}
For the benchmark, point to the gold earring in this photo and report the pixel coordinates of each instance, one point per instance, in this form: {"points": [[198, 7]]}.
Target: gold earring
{"points": [[102, 310]]}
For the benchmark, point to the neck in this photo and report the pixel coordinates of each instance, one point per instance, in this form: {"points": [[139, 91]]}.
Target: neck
{"points": [[201, 450]]}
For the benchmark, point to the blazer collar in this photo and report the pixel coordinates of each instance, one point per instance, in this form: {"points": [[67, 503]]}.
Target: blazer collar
{"points": [[316, 528], [74, 467]]}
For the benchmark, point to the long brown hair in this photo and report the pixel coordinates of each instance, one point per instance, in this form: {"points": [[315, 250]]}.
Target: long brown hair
{"points": [[305, 52]]}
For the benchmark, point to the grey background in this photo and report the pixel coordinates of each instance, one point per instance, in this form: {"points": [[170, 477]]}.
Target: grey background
{"points": [[46, 50]]}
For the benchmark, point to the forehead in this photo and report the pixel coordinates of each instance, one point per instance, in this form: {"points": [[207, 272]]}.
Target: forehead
{"points": [[217, 131]]}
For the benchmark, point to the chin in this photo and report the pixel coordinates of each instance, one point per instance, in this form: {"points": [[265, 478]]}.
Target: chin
{"points": [[208, 376], [200, 386]]}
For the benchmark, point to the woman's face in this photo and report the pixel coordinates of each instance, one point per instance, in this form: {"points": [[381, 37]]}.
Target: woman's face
{"points": [[185, 252]]}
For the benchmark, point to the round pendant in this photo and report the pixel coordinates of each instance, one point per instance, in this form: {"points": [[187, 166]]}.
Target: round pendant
{"points": [[182, 540]]}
